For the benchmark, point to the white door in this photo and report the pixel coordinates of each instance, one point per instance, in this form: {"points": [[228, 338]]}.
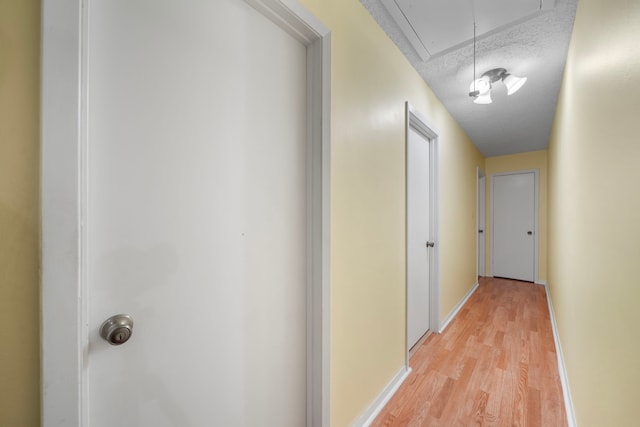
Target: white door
{"points": [[514, 226], [417, 237], [481, 224], [196, 215]]}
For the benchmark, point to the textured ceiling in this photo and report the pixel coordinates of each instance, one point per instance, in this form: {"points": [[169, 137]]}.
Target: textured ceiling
{"points": [[535, 48]]}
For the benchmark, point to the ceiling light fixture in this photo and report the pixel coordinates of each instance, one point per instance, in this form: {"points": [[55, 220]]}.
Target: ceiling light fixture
{"points": [[480, 89]]}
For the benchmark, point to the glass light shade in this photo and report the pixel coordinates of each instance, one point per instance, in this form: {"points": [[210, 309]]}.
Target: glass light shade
{"points": [[483, 99], [513, 83], [482, 85]]}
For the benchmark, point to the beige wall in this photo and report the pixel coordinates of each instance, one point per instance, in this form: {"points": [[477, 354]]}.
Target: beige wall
{"points": [[19, 213], [513, 163], [594, 213], [371, 81]]}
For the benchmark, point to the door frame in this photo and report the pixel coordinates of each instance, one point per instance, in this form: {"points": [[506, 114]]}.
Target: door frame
{"points": [[481, 209], [536, 204], [416, 121], [64, 327]]}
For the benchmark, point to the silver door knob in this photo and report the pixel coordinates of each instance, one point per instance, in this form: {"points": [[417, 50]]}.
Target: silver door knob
{"points": [[117, 329]]}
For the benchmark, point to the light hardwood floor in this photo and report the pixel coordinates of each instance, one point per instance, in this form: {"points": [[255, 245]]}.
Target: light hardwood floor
{"points": [[495, 365]]}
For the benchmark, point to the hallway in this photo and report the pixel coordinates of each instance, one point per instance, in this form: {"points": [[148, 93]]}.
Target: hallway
{"points": [[494, 365], [588, 221]]}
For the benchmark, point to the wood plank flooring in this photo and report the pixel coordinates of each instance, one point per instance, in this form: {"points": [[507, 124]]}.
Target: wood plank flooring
{"points": [[495, 365]]}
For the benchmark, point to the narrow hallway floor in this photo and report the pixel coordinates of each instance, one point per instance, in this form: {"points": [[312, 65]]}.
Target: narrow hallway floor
{"points": [[494, 365]]}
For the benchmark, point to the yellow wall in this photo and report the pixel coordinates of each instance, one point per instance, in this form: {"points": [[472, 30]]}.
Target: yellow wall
{"points": [[371, 81], [594, 213], [519, 162], [19, 213]]}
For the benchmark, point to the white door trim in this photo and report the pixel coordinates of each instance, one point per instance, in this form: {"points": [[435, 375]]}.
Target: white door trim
{"points": [[64, 325], [536, 173], [481, 205], [419, 123]]}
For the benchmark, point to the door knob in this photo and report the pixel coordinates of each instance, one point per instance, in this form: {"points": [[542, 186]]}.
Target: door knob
{"points": [[529, 233], [430, 244], [480, 231], [117, 329]]}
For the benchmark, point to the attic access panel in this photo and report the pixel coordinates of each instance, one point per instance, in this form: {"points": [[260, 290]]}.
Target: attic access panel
{"points": [[437, 26]]}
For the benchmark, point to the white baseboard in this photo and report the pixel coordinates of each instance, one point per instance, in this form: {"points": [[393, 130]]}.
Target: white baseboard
{"points": [[564, 381], [376, 407], [457, 308], [541, 282]]}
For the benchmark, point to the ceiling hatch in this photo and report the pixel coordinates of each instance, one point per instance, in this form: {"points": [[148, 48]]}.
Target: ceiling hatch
{"points": [[437, 26]]}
